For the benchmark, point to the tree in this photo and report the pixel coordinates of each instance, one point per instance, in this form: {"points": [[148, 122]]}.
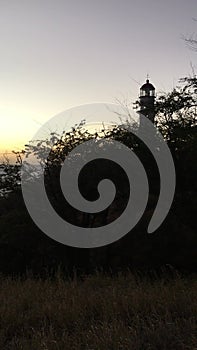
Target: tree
{"points": [[176, 119]]}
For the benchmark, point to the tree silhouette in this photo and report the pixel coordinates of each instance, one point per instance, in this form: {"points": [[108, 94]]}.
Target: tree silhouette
{"points": [[176, 120]]}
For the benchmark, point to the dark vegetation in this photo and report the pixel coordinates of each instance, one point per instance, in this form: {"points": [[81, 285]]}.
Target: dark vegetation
{"points": [[98, 312], [24, 248]]}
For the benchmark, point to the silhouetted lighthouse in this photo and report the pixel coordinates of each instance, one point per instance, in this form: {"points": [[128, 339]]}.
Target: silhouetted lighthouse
{"points": [[147, 100]]}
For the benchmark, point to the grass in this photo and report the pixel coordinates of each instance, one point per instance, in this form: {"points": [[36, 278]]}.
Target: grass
{"points": [[98, 312]]}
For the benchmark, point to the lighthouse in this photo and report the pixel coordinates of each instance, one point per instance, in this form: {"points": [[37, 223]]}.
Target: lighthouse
{"points": [[147, 100]]}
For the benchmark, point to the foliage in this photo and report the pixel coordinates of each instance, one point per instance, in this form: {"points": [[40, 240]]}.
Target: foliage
{"points": [[10, 175], [176, 115], [173, 243]]}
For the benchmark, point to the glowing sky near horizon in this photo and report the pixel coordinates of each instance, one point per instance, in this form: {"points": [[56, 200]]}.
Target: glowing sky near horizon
{"points": [[56, 54]]}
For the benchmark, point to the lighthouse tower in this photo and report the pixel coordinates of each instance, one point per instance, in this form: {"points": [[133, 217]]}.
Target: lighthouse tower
{"points": [[147, 100]]}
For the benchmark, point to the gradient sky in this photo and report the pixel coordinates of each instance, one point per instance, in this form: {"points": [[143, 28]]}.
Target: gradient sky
{"points": [[56, 54]]}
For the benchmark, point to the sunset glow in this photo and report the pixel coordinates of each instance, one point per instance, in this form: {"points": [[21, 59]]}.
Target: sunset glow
{"points": [[56, 56]]}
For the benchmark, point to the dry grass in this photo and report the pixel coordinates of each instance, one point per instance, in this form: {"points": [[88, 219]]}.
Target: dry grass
{"points": [[100, 312]]}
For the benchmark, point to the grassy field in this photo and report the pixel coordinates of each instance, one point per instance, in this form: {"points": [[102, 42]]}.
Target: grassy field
{"points": [[99, 312]]}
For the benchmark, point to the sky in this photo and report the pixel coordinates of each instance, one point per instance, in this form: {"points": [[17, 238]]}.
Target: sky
{"points": [[57, 54]]}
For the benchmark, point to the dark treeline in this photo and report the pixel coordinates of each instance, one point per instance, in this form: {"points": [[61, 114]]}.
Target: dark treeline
{"points": [[23, 247]]}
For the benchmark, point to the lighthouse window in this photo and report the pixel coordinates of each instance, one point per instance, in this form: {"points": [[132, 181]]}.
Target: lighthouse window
{"points": [[143, 93]]}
